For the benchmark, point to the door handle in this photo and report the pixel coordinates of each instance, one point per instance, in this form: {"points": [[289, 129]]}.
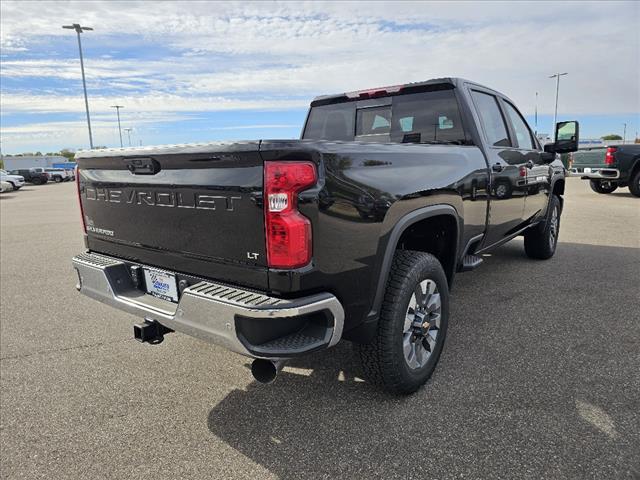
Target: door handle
{"points": [[497, 167]]}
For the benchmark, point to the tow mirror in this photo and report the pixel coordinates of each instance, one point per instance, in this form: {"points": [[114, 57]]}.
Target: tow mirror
{"points": [[567, 137]]}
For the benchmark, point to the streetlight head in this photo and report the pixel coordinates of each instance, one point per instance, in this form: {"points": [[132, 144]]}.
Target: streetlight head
{"points": [[77, 27]]}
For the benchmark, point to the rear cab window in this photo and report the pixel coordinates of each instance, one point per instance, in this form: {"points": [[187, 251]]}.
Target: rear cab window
{"points": [[331, 122], [424, 117]]}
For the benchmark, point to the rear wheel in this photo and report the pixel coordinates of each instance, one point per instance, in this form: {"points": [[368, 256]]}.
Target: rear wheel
{"points": [[634, 184], [57, 179], [37, 181], [602, 187], [540, 241], [412, 325], [503, 189]]}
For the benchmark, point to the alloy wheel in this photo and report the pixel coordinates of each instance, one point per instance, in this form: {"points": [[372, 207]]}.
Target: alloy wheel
{"points": [[422, 324]]}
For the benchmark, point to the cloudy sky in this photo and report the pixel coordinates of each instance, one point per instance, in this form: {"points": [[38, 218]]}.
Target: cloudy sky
{"points": [[198, 71]]}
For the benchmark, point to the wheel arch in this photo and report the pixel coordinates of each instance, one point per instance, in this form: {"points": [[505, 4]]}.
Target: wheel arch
{"points": [[557, 189], [419, 218]]}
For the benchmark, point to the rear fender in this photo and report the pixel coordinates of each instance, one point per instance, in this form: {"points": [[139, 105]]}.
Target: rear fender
{"points": [[367, 330]]}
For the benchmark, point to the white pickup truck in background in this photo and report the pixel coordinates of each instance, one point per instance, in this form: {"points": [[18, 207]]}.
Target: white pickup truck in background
{"points": [[58, 174], [15, 181]]}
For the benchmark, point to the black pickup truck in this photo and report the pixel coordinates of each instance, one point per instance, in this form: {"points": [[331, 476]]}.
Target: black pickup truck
{"points": [[277, 248], [35, 175]]}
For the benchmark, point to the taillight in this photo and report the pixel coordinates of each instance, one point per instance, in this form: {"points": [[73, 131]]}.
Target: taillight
{"points": [[288, 232], [610, 158], [84, 224]]}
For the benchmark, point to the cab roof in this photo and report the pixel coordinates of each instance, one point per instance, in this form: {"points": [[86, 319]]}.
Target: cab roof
{"points": [[446, 83]]}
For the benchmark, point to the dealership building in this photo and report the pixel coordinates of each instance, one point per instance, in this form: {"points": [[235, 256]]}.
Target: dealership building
{"points": [[30, 161]]}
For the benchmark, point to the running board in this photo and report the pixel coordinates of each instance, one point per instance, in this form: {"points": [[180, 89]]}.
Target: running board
{"points": [[470, 262]]}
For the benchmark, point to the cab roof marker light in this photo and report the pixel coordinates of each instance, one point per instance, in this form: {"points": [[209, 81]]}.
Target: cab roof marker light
{"points": [[374, 92]]}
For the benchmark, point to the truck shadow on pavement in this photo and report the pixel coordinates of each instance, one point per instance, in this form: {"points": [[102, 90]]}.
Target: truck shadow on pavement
{"points": [[516, 390], [622, 193]]}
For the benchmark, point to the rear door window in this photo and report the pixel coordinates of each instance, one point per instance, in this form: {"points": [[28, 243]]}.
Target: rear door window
{"points": [[493, 124]]}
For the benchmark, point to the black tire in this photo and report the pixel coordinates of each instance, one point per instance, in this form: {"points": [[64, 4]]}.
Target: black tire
{"points": [[599, 187], [37, 181], [540, 242], [383, 360], [503, 189], [634, 184], [57, 179]]}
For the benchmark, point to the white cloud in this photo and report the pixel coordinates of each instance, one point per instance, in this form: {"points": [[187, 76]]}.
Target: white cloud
{"points": [[137, 104], [201, 56]]}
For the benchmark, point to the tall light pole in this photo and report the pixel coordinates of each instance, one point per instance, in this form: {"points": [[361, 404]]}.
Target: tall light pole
{"points": [[624, 134], [118, 107], [536, 132], [555, 113], [128, 130], [79, 30]]}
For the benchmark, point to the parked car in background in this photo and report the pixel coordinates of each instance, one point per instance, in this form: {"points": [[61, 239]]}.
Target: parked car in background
{"points": [[5, 187], [58, 174], [35, 175], [16, 181], [609, 168]]}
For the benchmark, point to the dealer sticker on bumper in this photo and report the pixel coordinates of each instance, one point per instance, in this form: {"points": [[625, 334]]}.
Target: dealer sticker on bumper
{"points": [[161, 284]]}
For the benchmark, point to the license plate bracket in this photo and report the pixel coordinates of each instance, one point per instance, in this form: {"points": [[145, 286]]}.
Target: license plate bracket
{"points": [[161, 284]]}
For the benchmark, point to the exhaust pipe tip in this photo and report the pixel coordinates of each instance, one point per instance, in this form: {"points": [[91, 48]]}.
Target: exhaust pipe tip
{"points": [[265, 371]]}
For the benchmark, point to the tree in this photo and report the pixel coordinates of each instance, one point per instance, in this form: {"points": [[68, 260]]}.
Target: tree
{"points": [[611, 136], [68, 153]]}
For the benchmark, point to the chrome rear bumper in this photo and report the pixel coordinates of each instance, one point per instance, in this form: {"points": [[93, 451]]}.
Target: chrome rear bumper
{"points": [[217, 313], [599, 174]]}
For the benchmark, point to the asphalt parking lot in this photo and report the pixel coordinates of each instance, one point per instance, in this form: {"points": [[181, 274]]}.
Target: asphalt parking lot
{"points": [[540, 376]]}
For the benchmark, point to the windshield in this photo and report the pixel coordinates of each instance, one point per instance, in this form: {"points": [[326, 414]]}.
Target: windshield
{"points": [[426, 117]]}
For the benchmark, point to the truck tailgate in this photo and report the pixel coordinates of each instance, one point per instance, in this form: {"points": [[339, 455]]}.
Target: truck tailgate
{"points": [[194, 209]]}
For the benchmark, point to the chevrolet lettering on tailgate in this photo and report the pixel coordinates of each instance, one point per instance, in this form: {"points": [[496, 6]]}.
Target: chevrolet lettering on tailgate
{"points": [[155, 198]]}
